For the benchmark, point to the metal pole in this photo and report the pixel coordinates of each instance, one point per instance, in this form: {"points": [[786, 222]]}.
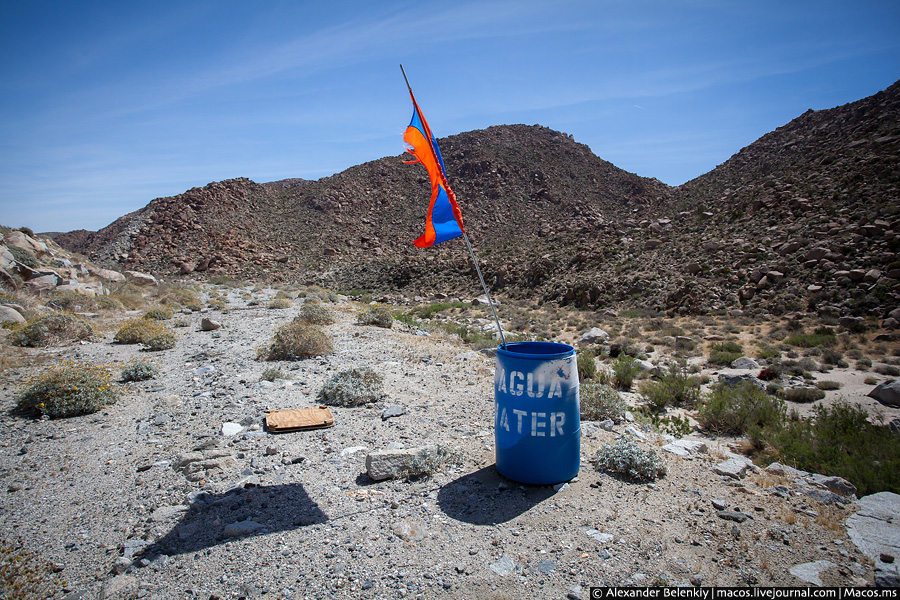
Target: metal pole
{"points": [[486, 292]]}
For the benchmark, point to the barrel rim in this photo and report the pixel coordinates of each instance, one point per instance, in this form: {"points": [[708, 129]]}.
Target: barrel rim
{"points": [[561, 350]]}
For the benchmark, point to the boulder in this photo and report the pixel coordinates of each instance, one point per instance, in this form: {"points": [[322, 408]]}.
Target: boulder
{"points": [[875, 531], [595, 335], [207, 324], [745, 362], [25, 242], [7, 261], [10, 315], [7, 282], [41, 284], [388, 464], [140, 279], [107, 274], [887, 392]]}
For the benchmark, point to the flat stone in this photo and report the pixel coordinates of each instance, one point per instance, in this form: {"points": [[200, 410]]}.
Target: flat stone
{"points": [[229, 429], [810, 572], [392, 411], [733, 515], [685, 448], [601, 536], [504, 566], [735, 468], [388, 464], [166, 513], [875, 529]]}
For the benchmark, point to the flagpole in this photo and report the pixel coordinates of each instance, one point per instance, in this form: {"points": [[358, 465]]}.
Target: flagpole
{"points": [[474, 260], [486, 292]]}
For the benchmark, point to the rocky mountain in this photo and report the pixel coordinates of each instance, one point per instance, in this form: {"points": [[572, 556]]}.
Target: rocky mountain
{"points": [[805, 218]]}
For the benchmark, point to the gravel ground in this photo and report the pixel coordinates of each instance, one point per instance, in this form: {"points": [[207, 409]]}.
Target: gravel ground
{"points": [[148, 499]]}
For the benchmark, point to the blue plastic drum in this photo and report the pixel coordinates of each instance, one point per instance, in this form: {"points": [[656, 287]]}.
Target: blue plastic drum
{"points": [[537, 426]]}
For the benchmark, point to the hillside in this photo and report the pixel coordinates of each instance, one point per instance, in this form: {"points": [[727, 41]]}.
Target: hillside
{"points": [[804, 217]]}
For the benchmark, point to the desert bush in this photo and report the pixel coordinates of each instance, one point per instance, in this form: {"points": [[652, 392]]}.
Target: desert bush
{"points": [[271, 374], [739, 409], [863, 364], [353, 387], [139, 371], [51, 329], [160, 341], [832, 357], [600, 402], [889, 370], [139, 331], [674, 387], [23, 256], [159, 313], [628, 460], [181, 323], [295, 341], [724, 353], [803, 394], [675, 425], [69, 389], [280, 303], [625, 369], [828, 385], [314, 314], [840, 440], [870, 381], [23, 575], [380, 316], [587, 367], [821, 336], [429, 462], [182, 297]]}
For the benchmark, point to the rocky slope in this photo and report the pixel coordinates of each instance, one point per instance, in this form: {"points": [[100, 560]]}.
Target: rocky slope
{"points": [[177, 491], [805, 218]]}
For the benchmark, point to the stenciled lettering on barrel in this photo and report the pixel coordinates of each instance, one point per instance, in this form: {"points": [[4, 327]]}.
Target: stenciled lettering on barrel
{"points": [[547, 381]]}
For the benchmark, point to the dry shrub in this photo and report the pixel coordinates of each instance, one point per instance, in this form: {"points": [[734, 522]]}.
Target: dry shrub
{"points": [[51, 329], [159, 313], [280, 303], [152, 334], [353, 387], [314, 314], [295, 341], [69, 389], [380, 316]]}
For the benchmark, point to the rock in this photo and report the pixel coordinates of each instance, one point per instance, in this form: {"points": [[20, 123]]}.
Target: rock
{"points": [[887, 392], [809, 572], [120, 587], [733, 515], [875, 530], [835, 484], [207, 324], [230, 429], [736, 468], [785, 471], [42, 284], [107, 274], [141, 279], [736, 380], [595, 335], [719, 504], [504, 566], [186, 268], [388, 464], [166, 513], [7, 281], [745, 362], [483, 301], [10, 315], [685, 447], [241, 528], [601, 536], [694, 268], [392, 411], [652, 243]]}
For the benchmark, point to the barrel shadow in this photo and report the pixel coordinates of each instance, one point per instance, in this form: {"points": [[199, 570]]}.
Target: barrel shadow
{"points": [[476, 498], [262, 510]]}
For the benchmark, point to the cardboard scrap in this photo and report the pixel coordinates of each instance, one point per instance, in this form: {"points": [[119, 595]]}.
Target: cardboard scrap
{"points": [[298, 419]]}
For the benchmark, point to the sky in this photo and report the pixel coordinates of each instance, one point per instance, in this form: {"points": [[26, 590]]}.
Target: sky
{"points": [[105, 106]]}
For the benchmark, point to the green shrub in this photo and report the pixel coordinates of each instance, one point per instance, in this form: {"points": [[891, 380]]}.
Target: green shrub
{"points": [[724, 353], [271, 374], [630, 461], [314, 314], [139, 371], [889, 370], [161, 341], [828, 385], [159, 313], [803, 394], [870, 381], [295, 341], [625, 369], [70, 389], [587, 367], [675, 425], [23, 256], [599, 402], [380, 316], [841, 441], [51, 329], [280, 303], [674, 387], [739, 409], [353, 387], [822, 336]]}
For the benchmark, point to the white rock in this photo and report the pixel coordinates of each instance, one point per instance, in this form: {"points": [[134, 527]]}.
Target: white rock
{"points": [[595, 335], [230, 429], [745, 362], [809, 572], [735, 468], [601, 536]]}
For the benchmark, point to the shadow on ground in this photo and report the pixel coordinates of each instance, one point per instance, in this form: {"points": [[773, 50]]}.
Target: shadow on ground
{"points": [[477, 498], [214, 519]]}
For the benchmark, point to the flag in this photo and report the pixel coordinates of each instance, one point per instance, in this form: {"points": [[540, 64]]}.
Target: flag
{"points": [[444, 219]]}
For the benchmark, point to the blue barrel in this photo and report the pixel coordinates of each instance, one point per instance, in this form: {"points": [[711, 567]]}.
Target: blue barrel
{"points": [[537, 424]]}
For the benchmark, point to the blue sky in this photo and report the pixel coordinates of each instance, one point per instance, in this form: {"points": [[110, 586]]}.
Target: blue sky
{"points": [[107, 105]]}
